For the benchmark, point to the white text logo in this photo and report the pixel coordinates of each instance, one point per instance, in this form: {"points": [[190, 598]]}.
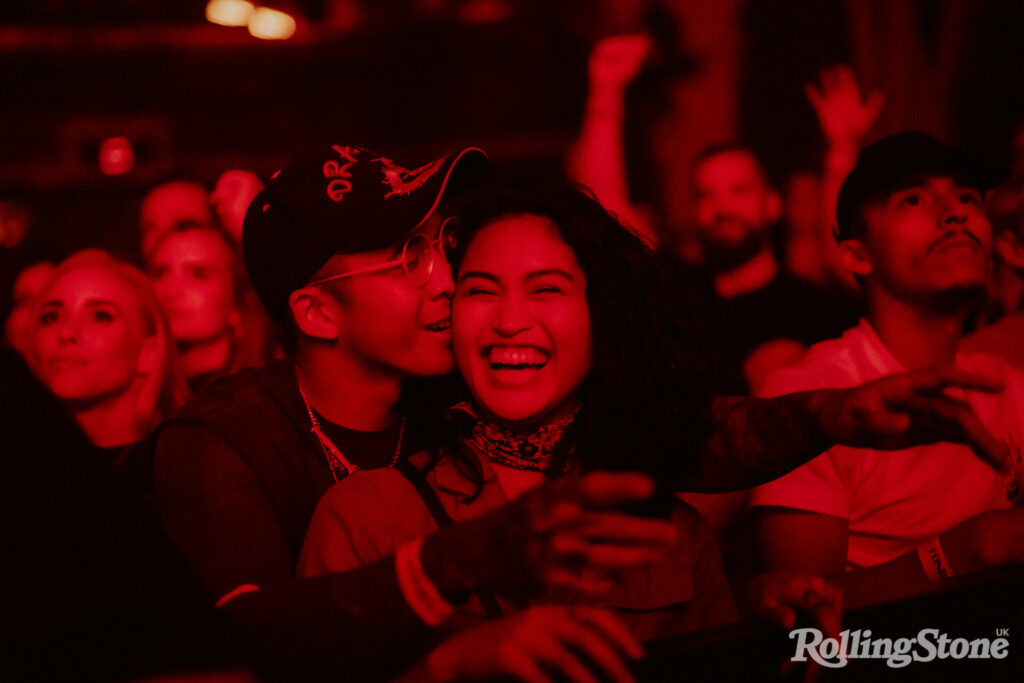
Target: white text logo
{"points": [[929, 645]]}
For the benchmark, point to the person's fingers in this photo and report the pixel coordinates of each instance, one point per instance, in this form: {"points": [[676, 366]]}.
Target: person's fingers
{"points": [[781, 596], [612, 628], [961, 420], [844, 83], [935, 380], [605, 489], [548, 644], [828, 79], [519, 662], [634, 46], [563, 584], [560, 514], [971, 381], [774, 612], [573, 552], [619, 57], [889, 423], [589, 638], [620, 558], [624, 528], [820, 610]]}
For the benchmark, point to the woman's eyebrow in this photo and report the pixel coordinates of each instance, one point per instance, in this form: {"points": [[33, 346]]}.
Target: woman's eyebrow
{"points": [[549, 271], [103, 302], [478, 274]]}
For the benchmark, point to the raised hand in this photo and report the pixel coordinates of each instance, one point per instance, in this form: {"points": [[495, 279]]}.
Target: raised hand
{"points": [[845, 116], [538, 645], [616, 61], [911, 409]]}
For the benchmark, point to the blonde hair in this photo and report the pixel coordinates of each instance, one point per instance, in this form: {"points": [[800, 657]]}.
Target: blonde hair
{"points": [[163, 389]]}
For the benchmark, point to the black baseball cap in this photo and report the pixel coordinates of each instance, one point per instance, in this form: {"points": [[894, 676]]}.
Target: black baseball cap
{"points": [[341, 199], [884, 165]]}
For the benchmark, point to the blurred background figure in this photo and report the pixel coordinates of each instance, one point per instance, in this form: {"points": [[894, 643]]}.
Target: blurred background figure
{"points": [[761, 310], [215, 320], [230, 198], [1004, 315], [169, 204], [101, 346], [27, 284]]}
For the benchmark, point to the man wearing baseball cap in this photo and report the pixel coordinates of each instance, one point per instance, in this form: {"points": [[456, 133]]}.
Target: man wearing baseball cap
{"points": [[345, 249], [912, 230]]}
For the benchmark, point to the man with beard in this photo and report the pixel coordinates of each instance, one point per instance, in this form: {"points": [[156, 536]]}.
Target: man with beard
{"points": [[757, 317], [913, 232]]}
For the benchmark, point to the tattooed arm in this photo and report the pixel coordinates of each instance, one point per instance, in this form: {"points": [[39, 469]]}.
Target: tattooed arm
{"points": [[753, 441]]}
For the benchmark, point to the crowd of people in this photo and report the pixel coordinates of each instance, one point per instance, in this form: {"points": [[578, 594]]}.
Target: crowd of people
{"points": [[369, 421]]}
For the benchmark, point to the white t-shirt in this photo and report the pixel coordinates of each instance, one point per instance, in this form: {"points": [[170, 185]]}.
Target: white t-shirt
{"points": [[893, 500]]}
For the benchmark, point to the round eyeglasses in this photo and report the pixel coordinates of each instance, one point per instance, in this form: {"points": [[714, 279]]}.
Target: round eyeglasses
{"points": [[419, 254]]}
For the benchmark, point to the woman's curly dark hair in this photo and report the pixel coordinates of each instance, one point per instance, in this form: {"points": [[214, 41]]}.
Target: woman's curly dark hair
{"points": [[642, 404]]}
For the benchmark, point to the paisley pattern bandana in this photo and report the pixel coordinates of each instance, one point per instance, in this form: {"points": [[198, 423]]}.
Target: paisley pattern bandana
{"points": [[534, 451]]}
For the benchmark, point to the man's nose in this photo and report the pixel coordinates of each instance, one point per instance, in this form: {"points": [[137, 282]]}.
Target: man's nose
{"points": [[440, 283], [953, 212]]}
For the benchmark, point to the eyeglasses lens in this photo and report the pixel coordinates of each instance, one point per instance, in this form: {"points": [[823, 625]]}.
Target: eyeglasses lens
{"points": [[418, 259], [447, 239]]}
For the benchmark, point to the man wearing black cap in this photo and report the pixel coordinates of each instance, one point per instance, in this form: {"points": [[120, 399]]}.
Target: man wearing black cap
{"points": [[913, 232], [345, 250], [341, 248]]}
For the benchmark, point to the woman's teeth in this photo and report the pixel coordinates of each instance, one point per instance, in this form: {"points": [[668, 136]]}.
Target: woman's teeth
{"points": [[504, 357]]}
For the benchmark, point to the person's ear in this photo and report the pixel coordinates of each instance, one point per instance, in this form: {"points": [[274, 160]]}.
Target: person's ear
{"points": [[316, 313], [1010, 249], [149, 355], [854, 257]]}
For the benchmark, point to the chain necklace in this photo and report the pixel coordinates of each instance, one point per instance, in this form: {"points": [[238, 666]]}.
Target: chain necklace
{"points": [[336, 460]]}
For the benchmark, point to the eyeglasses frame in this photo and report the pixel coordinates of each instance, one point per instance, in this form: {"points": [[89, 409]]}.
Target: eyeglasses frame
{"points": [[435, 245]]}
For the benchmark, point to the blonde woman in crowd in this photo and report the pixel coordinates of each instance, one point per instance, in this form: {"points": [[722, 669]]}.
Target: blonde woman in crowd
{"points": [[99, 342]]}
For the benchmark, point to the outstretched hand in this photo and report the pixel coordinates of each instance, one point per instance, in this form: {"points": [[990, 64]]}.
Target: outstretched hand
{"points": [[910, 409], [537, 645], [615, 61], [845, 116]]}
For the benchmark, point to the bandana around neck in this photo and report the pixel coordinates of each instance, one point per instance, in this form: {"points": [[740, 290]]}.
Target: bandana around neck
{"points": [[533, 451]]}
